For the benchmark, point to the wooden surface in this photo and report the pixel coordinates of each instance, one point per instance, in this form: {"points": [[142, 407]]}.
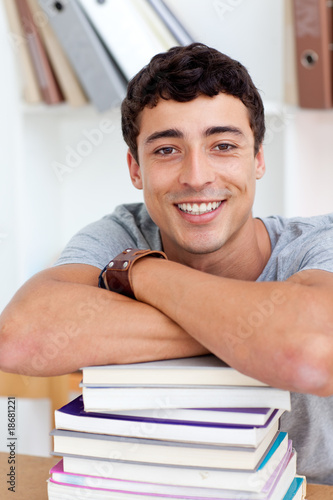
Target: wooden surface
{"points": [[319, 492], [32, 472], [57, 389]]}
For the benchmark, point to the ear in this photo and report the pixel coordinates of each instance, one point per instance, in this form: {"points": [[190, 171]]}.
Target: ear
{"points": [[134, 170], [260, 166]]}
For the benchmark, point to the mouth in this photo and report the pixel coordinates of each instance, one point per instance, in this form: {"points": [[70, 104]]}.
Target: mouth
{"points": [[199, 208]]}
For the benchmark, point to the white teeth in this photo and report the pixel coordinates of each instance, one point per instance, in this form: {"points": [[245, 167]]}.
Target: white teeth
{"points": [[196, 209]]}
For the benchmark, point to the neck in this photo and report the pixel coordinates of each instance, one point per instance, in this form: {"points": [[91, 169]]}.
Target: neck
{"points": [[243, 258]]}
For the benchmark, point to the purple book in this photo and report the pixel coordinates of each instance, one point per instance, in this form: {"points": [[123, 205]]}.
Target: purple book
{"points": [[73, 417], [246, 417]]}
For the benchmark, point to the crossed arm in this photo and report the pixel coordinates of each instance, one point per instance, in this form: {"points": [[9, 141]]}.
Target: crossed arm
{"points": [[60, 321], [278, 332]]}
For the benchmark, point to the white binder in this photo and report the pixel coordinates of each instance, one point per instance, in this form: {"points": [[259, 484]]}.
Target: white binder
{"points": [[100, 78]]}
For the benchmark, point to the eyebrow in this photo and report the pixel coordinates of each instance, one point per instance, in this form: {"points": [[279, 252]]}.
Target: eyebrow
{"points": [[223, 130], [171, 132], [178, 134]]}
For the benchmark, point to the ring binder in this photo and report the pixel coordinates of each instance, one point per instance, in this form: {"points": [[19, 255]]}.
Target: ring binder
{"points": [[313, 40]]}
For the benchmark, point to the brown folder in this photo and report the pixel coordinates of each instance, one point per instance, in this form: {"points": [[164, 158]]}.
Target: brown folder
{"points": [[313, 38], [46, 79], [66, 77]]}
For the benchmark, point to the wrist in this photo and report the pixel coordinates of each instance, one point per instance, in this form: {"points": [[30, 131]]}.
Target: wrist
{"points": [[144, 277], [117, 275]]}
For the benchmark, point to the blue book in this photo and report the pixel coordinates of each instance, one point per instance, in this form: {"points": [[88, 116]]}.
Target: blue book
{"points": [[148, 450], [295, 490], [257, 480], [253, 483], [90, 478]]}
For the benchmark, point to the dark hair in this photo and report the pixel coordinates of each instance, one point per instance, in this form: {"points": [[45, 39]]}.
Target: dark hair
{"points": [[184, 73]]}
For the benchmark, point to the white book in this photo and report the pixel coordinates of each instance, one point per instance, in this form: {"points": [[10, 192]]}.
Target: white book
{"points": [[157, 451], [131, 30], [197, 477], [101, 399], [59, 491], [195, 370], [227, 416], [263, 484]]}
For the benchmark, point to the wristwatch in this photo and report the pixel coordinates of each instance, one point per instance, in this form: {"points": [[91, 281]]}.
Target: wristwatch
{"points": [[116, 275]]}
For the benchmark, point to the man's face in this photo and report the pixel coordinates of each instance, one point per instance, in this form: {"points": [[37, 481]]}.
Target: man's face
{"points": [[197, 171]]}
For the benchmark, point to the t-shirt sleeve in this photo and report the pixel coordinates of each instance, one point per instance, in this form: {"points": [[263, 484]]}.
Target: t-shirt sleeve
{"points": [[129, 226], [96, 244], [319, 253], [312, 250], [298, 244]]}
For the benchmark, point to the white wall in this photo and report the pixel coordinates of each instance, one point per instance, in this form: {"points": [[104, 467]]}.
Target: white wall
{"points": [[309, 163], [32, 426], [8, 141], [250, 31]]}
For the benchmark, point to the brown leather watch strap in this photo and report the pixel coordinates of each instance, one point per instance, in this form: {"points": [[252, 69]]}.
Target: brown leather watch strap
{"points": [[116, 276]]}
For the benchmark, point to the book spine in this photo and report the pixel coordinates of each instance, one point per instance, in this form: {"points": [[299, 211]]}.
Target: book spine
{"points": [[30, 89], [46, 79], [67, 80]]}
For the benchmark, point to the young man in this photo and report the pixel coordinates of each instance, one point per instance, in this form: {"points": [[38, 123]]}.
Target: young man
{"points": [[257, 293]]}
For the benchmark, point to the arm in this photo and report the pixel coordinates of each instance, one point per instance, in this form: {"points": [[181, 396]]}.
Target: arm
{"points": [[278, 332], [60, 321]]}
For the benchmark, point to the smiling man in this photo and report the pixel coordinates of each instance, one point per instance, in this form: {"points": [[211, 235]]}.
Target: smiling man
{"points": [[198, 177], [257, 293]]}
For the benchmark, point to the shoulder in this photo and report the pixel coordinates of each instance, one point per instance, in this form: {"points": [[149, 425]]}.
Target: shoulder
{"points": [[97, 243], [298, 243], [297, 227]]}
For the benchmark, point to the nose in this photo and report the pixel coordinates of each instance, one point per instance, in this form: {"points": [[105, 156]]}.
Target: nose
{"points": [[196, 170]]}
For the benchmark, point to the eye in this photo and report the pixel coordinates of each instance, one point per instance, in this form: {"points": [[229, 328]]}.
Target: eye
{"points": [[166, 151], [224, 146]]}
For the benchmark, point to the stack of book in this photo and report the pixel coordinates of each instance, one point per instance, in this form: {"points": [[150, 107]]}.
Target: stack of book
{"points": [[83, 50], [189, 428]]}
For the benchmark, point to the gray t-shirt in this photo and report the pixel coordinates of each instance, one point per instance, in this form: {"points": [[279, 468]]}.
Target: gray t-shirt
{"points": [[297, 244]]}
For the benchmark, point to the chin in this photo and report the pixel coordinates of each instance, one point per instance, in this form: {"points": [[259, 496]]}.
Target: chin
{"points": [[203, 248]]}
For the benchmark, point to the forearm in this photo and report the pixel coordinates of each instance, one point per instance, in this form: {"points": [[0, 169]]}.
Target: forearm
{"points": [[59, 327], [273, 331]]}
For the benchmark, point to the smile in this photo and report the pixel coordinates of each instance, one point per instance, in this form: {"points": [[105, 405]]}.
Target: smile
{"points": [[199, 209]]}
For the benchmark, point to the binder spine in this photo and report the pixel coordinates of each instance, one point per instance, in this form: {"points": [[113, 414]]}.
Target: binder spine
{"points": [[313, 40]]}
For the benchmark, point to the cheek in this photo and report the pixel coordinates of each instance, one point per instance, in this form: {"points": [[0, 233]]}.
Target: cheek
{"points": [[243, 179], [243, 189], [156, 182], [153, 195]]}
